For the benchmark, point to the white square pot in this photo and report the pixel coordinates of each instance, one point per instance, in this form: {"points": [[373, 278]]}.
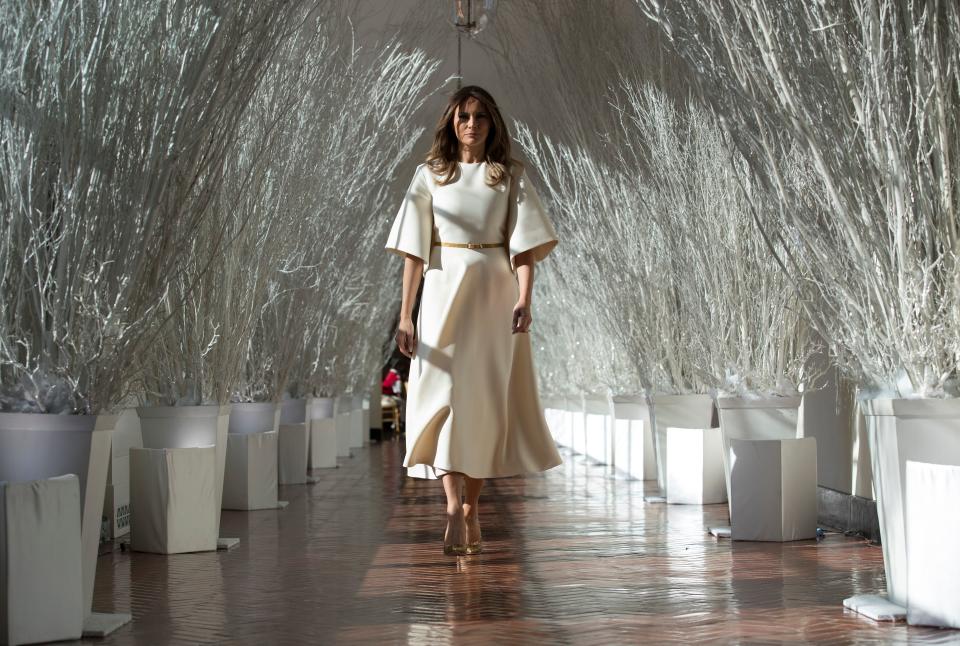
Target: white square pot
{"points": [[250, 476], [679, 411], [174, 500], [933, 560], [633, 437], [902, 430], [776, 489], [345, 434], [41, 570], [767, 418], [323, 443], [293, 444], [695, 466], [356, 428], [598, 443]]}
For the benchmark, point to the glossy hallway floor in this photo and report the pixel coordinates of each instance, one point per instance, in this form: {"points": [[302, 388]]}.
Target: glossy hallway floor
{"points": [[573, 556]]}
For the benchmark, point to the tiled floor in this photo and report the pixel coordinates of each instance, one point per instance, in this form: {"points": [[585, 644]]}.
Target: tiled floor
{"points": [[573, 556]]}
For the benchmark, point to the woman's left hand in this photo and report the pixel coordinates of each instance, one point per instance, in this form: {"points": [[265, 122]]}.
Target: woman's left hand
{"points": [[522, 318]]}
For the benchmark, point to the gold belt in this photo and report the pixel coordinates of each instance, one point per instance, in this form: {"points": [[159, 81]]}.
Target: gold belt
{"points": [[468, 245]]}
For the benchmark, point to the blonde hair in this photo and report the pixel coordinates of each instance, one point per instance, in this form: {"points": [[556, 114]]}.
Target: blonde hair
{"points": [[445, 151]]}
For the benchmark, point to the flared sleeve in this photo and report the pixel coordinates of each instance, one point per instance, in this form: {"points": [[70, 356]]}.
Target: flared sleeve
{"points": [[412, 230], [528, 226]]}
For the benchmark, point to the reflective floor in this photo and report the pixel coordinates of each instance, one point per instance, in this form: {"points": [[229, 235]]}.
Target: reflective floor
{"points": [[572, 556]]}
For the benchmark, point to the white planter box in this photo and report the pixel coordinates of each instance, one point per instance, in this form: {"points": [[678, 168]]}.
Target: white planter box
{"points": [[560, 420], [578, 426], [41, 569], [323, 443], [599, 430], [293, 445], [250, 478], [322, 452], [679, 411], [321, 407], [768, 418], [695, 466], [293, 411], [255, 417], [776, 485], [174, 500], [356, 429], [933, 525], [344, 434], [902, 430], [633, 437], [36, 446], [183, 427]]}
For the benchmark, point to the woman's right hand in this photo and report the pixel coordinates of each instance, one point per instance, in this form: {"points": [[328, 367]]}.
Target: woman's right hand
{"points": [[407, 337]]}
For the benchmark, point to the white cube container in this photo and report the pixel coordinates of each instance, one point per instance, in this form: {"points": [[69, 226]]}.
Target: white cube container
{"points": [[933, 560], [677, 411], [776, 485], [173, 499], [323, 443], [633, 437], [41, 569], [250, 477], [598, 444], [695, 466], [293, 445], [345, 434], [756, 418]]}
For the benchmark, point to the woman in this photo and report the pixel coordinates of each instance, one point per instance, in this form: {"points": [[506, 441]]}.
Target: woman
{"points": [[473, 225]]}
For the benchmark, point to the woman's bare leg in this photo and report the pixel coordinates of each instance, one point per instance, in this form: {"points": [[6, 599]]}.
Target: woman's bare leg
{"points": [[456, 529], [471, 508]]}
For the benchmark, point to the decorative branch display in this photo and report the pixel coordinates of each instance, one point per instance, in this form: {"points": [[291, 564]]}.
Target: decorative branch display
{"points": [[868, 93], [309, 163], [111, 141], [741, 321]]}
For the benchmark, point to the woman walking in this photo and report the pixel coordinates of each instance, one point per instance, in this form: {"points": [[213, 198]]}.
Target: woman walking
{"points": [[473, 226]]}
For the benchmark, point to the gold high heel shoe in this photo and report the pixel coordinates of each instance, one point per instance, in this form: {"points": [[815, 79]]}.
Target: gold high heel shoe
{"points": [[455, 550], [476, 546]]}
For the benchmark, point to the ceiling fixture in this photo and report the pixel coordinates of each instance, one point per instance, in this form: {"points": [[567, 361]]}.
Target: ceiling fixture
{"points": [[470, 17]]}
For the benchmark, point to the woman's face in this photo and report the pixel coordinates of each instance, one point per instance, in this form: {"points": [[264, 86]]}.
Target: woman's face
{"points": [[471, 123]]}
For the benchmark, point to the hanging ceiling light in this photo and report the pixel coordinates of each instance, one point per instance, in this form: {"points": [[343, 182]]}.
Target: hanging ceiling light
{"points": [[470, 17]]}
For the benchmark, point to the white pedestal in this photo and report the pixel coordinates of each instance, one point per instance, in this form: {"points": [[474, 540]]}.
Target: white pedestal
{"points": [[293, 443], [776, 489], [695, 466], [767, 418], [323, 443], [181, 427], [578, 426], [250, 477], [41, 570], [599, 432], [677, 411], [633, 437], [344, 434], [560, 422], [902, 430], [933, 560], [173, 500], [356, 429]]}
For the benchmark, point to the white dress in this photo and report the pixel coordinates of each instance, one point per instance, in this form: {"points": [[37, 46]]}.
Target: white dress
{"points": [[472, 400]]}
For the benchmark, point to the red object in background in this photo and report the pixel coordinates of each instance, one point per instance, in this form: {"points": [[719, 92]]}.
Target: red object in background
{"points": [[388, 382]]}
